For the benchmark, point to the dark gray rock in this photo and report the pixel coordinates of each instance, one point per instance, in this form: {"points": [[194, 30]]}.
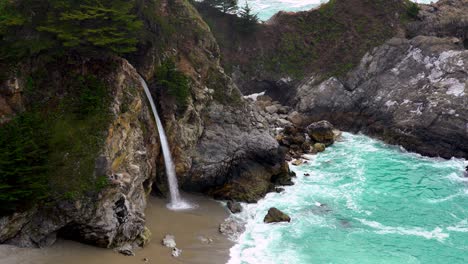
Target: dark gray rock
{"points": [[235, 161], [275, 216], [321, 132], [234, 207], [407, 92]]}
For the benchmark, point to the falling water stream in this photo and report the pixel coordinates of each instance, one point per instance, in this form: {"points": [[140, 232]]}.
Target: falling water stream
{"points": [[176, 203]]}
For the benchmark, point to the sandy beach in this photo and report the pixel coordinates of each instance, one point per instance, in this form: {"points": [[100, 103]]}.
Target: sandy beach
{"points": [[187, 226]]}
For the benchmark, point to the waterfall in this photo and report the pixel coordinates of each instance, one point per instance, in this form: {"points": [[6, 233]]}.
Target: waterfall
{"points": [[176, 202]]}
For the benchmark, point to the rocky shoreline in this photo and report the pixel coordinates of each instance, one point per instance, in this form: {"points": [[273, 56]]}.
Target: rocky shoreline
{"points": [[408, 90]]}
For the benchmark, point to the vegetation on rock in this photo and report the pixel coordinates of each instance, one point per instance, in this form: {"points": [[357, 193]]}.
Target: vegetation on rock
{"points": [[49, 151], [175, 82], [32, 27]]}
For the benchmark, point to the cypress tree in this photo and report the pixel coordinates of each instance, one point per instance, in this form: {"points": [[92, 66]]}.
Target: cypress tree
{"points": [[94, 25], [248, 20]]}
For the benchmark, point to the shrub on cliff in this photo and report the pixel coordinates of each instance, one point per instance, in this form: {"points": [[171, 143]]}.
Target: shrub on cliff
{"points": [[248, 20], [225, 6], [412, 10], [175, 82], [23, 162]]}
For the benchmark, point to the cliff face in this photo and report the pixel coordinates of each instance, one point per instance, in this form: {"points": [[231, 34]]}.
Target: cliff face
{"points": [[215, 140], [408, 92], [114, 216], [329, 40]]}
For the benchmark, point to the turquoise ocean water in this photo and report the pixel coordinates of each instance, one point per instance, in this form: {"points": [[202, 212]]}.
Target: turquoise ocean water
{"points": [[379, 204], [267, 8]]}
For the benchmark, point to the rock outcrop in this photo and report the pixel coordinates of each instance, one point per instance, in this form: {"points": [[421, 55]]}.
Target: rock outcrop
{"points": [[276, 216], [407, 92], [278, 54], [444, 18], [115, 216], [219, 147]]}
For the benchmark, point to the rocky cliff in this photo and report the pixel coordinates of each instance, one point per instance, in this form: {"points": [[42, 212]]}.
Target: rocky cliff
{"points": [[408, 92], [113, 216], [215, 140], [331, 39], [100, 186]]}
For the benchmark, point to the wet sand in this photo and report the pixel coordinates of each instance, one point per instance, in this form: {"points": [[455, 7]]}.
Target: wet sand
{"points": [[187, 226]]}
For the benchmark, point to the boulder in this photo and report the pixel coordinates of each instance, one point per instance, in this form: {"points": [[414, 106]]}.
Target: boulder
{"points": [[126, 250], [272, 109], [279, 190], [319, 147], [234, 207], [283, 122], [275, 216], [169, 241], [295, 118], [321, 132], [297, 162]]}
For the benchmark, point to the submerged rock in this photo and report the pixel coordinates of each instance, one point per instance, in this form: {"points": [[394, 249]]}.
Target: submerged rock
{"points": [[279, 190], [169, 241], [126, 250], [275, 216], [297, 162], [205, 240], [231, 228], [234, 207]]}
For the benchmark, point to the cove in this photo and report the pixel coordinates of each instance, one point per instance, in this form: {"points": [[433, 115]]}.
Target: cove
{"points": [[267, 8], [379, 204]]}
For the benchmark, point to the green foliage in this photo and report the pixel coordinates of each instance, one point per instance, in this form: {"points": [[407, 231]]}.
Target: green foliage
{"points": [[77, 133], [50, 152], [175, 82], [93, 27], [94, 24], [225, 6], [248, 21], [23, 162], [18, 37], [412, 10]]}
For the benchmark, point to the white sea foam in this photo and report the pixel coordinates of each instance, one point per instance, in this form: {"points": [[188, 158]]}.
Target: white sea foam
{"points": [[462, 227], [254, 96], [437, 233]]}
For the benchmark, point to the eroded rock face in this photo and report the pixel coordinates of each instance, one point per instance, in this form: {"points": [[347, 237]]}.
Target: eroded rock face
{"points": [[408, 92], [235, 160], [115, 216]]}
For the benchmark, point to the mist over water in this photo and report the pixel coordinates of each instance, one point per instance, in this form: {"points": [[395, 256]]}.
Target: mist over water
{"points": [[380, 204], [267, 8]]}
